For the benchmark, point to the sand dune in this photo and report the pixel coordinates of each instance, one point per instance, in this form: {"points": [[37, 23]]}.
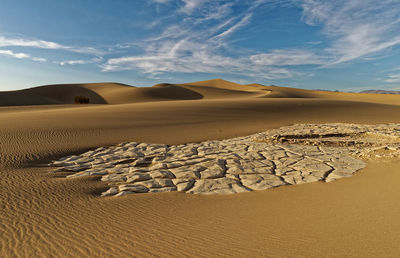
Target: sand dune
{"points": [[51, 94], [44, 214], [98, 93], [284, 92], [116, 93], [62, 94]]}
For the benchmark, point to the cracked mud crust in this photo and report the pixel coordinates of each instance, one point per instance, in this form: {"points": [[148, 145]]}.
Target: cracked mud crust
{"points": [[297, 154]]}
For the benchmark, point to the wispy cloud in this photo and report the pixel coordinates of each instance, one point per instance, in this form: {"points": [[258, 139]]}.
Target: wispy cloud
{"points": [[290, 57], [73, 62], [182, 56], [241, 23], [356, 28], [198, 39], [29, 43], [353, 30], [39, 59], [191, 5], [42, 44], [21, 55], [196, 46], [80, 61], [15, 55], [189, 57], [393, 78]]}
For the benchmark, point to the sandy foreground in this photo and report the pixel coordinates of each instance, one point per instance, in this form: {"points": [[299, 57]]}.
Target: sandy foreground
{"points": [[45, 214]]}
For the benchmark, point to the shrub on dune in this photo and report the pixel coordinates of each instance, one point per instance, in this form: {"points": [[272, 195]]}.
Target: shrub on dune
{"points": [[81, 100]]}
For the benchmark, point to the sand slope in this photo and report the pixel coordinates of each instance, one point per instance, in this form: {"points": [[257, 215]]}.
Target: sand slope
{"points": [[44, 214], [98, 93], [116, 93]]}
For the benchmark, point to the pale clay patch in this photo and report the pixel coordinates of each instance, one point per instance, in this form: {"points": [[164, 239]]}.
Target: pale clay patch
{"points": [[301, 153]]}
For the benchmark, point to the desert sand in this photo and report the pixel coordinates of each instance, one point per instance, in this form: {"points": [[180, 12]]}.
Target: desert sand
{"points": [[46, 214]]}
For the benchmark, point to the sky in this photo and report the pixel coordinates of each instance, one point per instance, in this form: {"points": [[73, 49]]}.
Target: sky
{"points": [[348, 45]]}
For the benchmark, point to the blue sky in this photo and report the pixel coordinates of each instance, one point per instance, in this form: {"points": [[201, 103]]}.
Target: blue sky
{"points": [[313, 44]]}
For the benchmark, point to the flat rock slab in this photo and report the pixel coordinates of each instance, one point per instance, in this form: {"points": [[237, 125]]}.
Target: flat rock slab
{"points": [[297, 154]]}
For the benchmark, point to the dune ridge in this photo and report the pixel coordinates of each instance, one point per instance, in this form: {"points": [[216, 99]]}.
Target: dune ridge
{"points": [[117, 93]]}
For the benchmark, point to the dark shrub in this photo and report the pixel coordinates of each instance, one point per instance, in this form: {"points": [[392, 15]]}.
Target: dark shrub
{"points": [[81, 100]]}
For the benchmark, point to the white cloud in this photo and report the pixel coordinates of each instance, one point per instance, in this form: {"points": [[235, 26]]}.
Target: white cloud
{"points": [[188, 47], [21, 55], [182, 56], [15, 55], [393, 78], [190, 57], [242, 22], [72, 62], [19, 42], [80, 61], [281, 57], [354, 29], [39, 59], [191, 5], [357, 28], [314, 42], [216, 12], [200, 37], [29, 43]]}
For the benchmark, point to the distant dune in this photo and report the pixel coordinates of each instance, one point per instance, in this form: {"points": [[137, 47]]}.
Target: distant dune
{"points": [[381, 91], [60, 94], [117, 93]]}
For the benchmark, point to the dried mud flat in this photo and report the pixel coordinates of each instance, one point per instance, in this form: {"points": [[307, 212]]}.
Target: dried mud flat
{"points": [[296, 154]]}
